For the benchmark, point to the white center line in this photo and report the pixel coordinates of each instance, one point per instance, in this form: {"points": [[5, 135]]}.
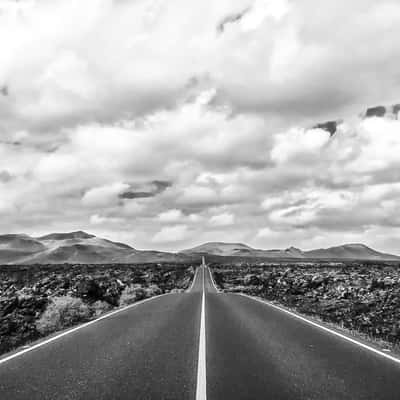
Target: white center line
{"points": [[201, 390]]}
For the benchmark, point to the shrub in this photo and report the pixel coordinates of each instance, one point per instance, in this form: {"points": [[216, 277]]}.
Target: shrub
{"points": [[62, 312], [131, 294], [153, 290], [177, 291], [89, 289], [100, 307]]}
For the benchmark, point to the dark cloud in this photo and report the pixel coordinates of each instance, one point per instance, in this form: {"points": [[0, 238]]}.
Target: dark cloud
{"points": [[11, 143], [161, 185], [136, 195], [5, 176], [158, 187], [330, 126], [4, 90], [232, 18]]}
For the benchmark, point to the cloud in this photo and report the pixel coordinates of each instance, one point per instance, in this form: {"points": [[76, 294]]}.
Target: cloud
{"points": [[170, 234], [157, 188], [272, 58], [4, 90], [231, 18], [97, 219], [299, 144], [171, 216], [115, 111], [222, 219], [103, 195], [5, 176]]}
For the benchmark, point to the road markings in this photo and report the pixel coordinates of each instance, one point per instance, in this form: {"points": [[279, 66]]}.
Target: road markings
{"points": [[326, 329], [193, 281], [201, 389], [212, 280], [77, 328]]}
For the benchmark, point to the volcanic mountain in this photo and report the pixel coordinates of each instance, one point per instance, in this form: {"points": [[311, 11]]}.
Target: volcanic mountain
{"points": [[344, 252], [75, 248], [84, 248]]}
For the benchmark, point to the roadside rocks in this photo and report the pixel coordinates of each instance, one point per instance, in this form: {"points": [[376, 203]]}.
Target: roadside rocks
{"points": [[26, 291], [357, 296]]}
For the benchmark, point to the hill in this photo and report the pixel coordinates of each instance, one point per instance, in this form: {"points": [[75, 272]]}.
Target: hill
{"points": [[84, 248], [345, 252], [75, 248]]}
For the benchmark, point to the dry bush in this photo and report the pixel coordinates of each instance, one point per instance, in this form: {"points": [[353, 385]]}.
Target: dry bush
{"points": [[62, 312], [131, 294], [153, 290], [100, 307]]}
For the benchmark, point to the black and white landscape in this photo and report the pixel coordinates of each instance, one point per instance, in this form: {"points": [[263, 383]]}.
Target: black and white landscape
{"points": [[199, 199], [83, 248]]}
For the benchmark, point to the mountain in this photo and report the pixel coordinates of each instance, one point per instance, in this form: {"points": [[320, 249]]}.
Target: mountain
{"points": [[21, 242], [75, 248], [344, 252], [350, 251], [240, 250], [220, 249], [83, 248], [14, 247], [67, 236]]}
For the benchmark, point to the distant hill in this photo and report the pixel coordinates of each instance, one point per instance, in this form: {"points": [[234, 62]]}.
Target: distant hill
{"points": [[350, 251], [75, 248], [220, 249], [345, 252], [84, 248]]}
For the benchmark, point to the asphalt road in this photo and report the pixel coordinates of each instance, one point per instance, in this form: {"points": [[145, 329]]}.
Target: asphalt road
{"points": [[151, 351]]}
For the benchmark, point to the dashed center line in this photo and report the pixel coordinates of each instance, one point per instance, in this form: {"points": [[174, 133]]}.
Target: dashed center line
{"points": [[201, 389]]}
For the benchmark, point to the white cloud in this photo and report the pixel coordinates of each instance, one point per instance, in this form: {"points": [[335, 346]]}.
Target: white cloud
{"points": [[262, 9], [223, 219], [102, 97], [97, 219], [299, 144], [104, 195], [170, 234], [171, 216]]}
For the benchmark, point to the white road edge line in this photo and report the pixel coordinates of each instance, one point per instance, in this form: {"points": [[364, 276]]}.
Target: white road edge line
{"points": [[212, 280], [194, 279], [77, 328], [201, 389], [326, 329]]}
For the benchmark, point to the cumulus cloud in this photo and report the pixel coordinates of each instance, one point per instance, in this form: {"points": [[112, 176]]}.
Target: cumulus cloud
{"points": [[103, 195], [97, 219], [5, 176], [170, 216], [116, 115], [299, 144], [223, 219], [171, 234], [64, 62]]}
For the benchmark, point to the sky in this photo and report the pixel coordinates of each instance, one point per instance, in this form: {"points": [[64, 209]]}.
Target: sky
{"points": [[165, 124]]}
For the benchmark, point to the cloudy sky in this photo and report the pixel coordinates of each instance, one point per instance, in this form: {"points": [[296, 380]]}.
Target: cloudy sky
{"points": [[164, 124]]}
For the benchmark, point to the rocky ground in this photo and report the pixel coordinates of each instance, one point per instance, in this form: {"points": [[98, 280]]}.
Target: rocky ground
{"points": [[361, 297], [36, 300]]}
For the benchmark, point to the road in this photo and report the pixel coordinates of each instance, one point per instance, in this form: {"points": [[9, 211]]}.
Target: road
{"points": [[197, 345]]}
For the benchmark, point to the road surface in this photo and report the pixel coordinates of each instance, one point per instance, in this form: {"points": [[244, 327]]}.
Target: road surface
{"points": [[197, 345]]}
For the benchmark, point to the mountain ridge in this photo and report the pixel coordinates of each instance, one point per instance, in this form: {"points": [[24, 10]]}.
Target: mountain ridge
{"points": [[83, 248], [349, 251]]}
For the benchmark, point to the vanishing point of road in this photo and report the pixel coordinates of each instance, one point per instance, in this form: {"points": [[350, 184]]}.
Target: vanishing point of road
{"points": [[197, 345]]}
